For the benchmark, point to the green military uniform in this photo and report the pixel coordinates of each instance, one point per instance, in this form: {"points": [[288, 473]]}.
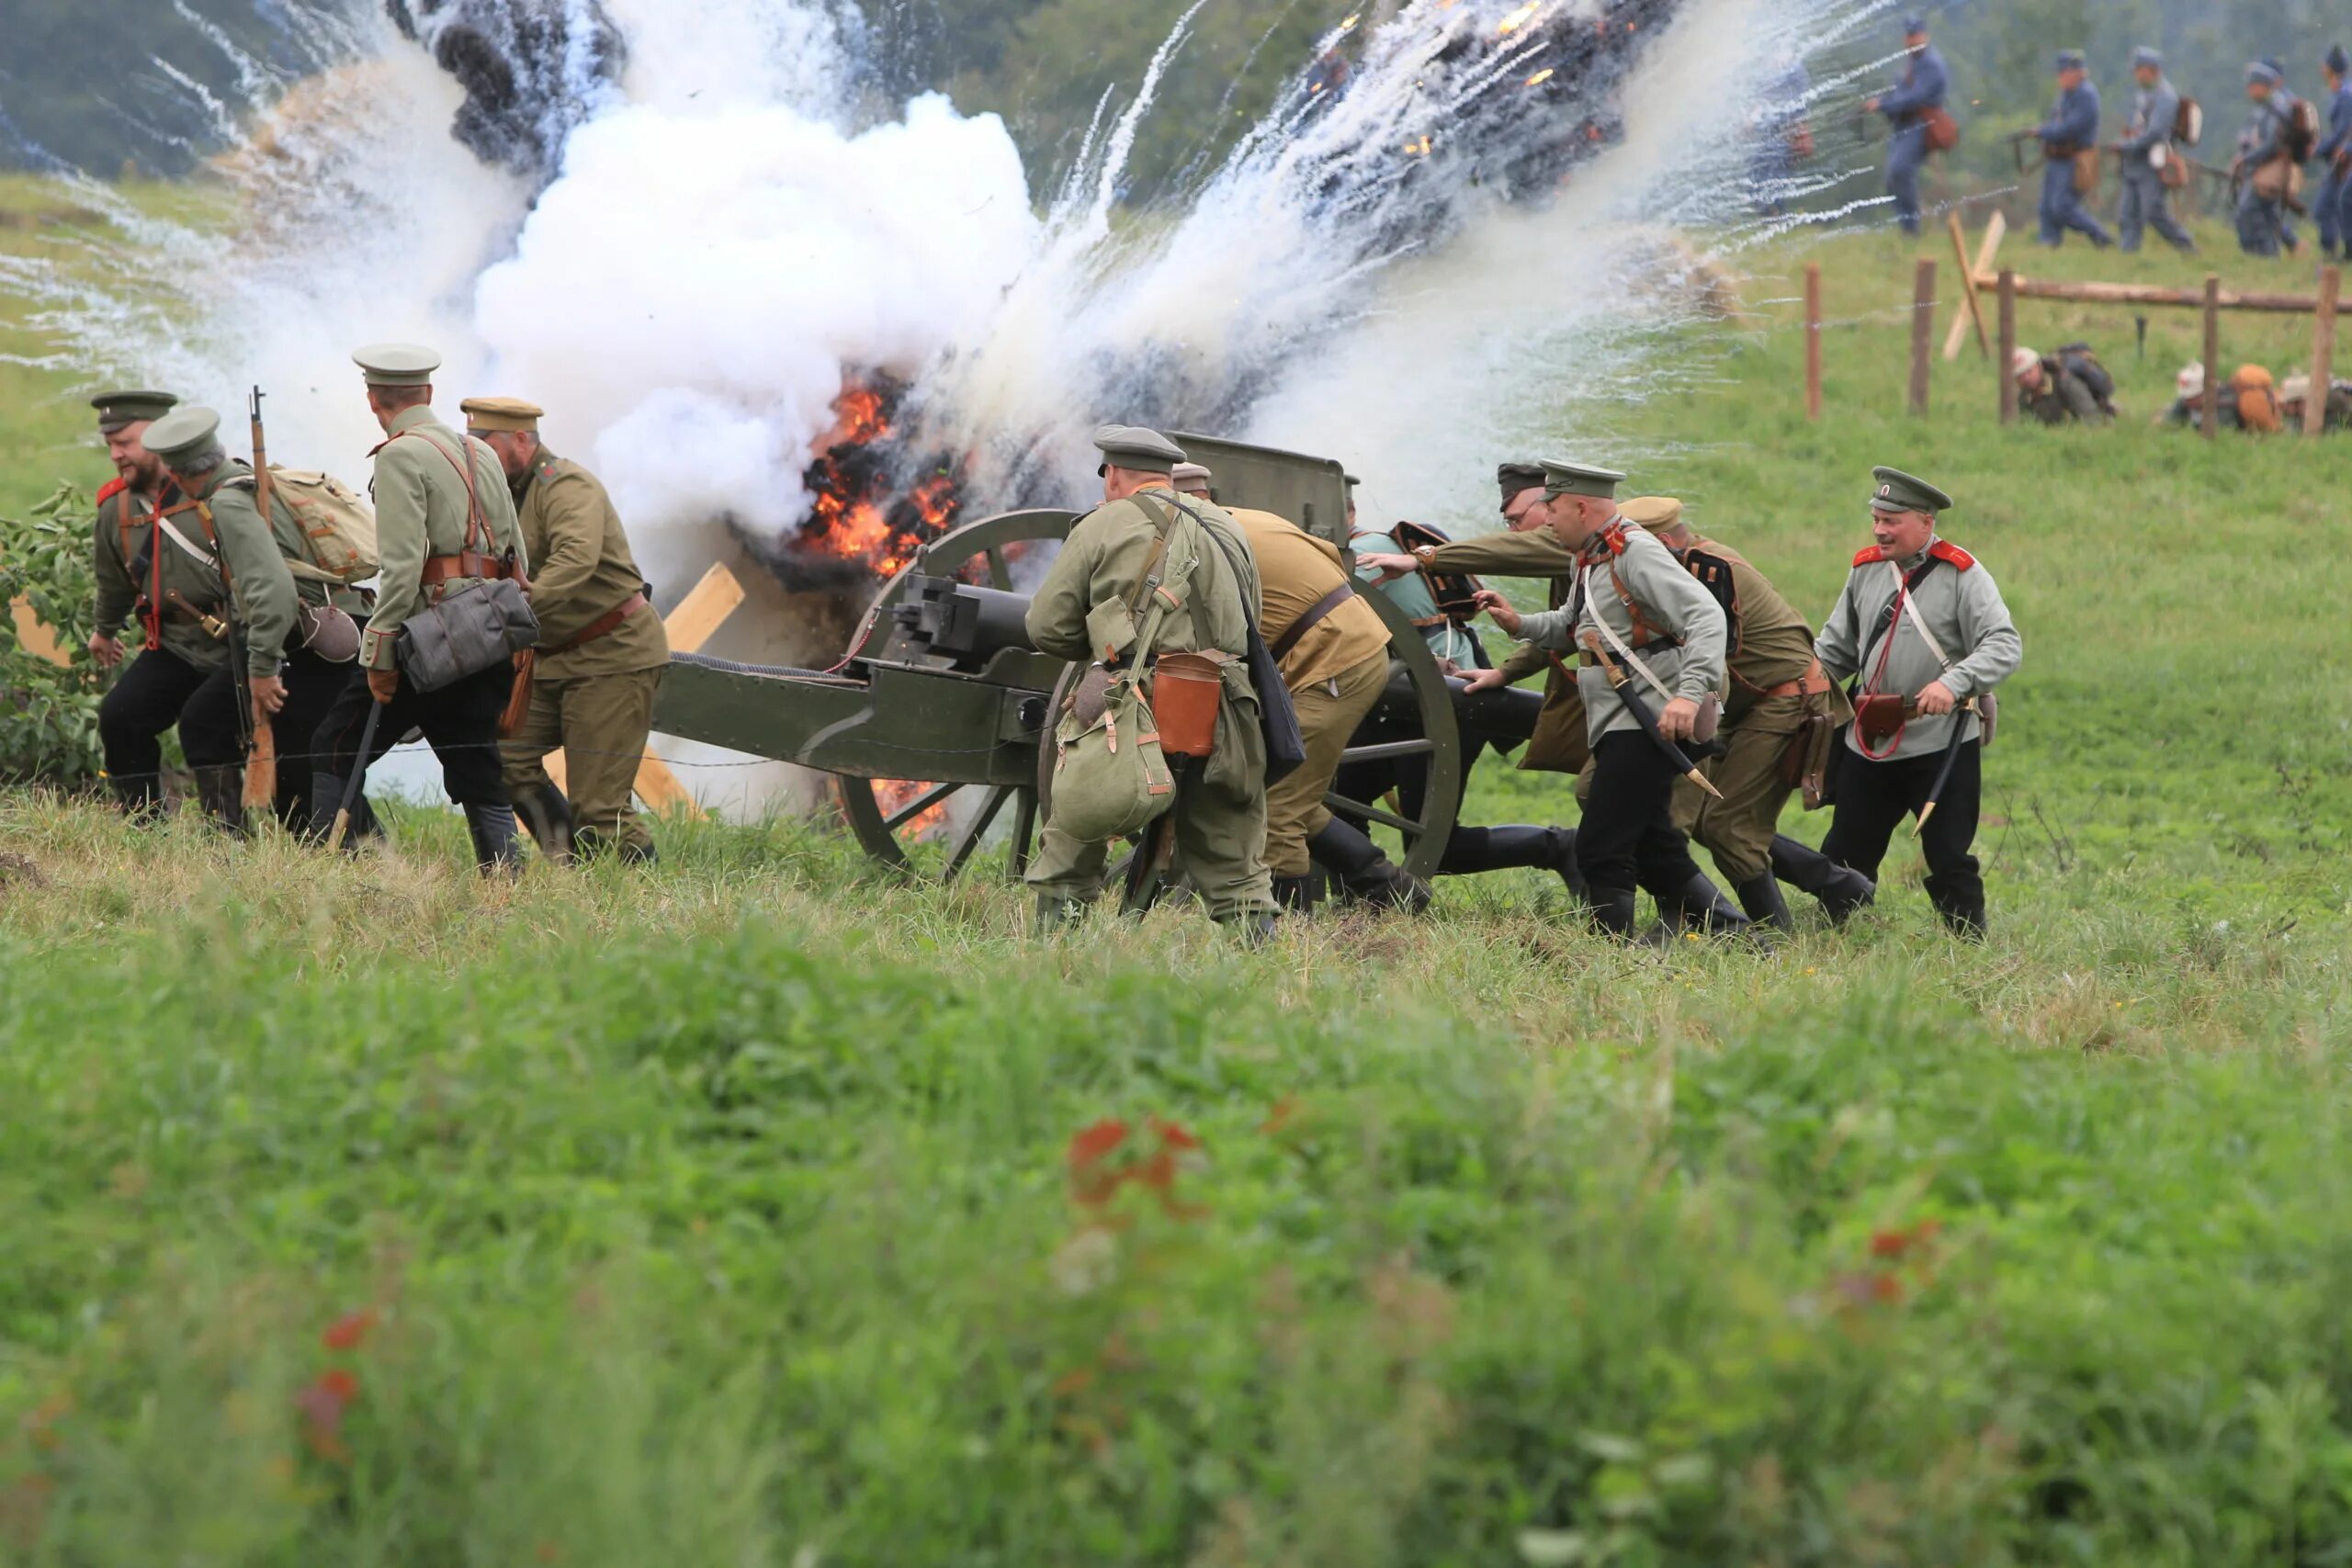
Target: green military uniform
{"points": [[161, 578], [1775, 683], [1221, 808], [445, 522], [601, 656], [1334, 659], [1449, 641]]}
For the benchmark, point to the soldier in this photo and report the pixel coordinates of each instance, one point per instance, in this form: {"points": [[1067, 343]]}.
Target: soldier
{"points": [[444, 522], [2294, 391], [2334, 205], [1634, 608], [2147, 150], [1332, 648], [601, 650], [1775, 684], [287, 681], [2055, 389], [2265, 166], [1906, 106], [1923, 625], [146, 571], [1524, 549], [1220, 808], [2071, 130]]}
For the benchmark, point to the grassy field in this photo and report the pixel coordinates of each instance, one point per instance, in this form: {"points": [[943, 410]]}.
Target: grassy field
{"points": [[763, 1210]]}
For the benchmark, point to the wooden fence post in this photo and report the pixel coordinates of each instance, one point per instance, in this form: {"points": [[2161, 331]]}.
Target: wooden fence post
{"points": [[2331, 284], [2008, 314], [1923, 321], [1813, 340], [2213, 355]]}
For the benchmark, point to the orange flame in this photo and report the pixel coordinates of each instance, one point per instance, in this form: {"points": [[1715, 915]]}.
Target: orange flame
{"points": [[894, 795]]}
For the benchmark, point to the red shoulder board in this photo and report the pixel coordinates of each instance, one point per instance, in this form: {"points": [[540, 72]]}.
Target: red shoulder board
{"points": [[1953, 555], [113, 487], [1869, 556]]}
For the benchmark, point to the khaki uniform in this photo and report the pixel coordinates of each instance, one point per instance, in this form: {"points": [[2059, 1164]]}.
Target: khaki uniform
{"points": [[141, 570], [1336, 672], [1559, 744], [1221, 808], [592, 698], [1766, 707]]}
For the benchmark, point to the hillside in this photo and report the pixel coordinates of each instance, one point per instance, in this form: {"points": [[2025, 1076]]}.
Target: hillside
{"points": [[764, 1209]]}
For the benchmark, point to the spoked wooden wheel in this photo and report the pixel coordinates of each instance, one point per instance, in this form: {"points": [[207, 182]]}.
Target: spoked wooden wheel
{"points": [[889, 818], [1427, 729]]}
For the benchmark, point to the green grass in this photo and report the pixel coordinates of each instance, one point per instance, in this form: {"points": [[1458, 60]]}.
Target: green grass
{"points": [[728, 1214]]}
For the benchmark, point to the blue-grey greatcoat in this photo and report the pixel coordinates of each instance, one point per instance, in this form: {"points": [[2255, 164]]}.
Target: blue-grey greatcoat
{"points": [[2262, 218], [2071, 128], [2333, 207], [1924, 86], [2146, 203]]}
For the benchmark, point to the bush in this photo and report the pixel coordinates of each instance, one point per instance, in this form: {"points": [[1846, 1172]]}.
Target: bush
{"points": [[48, 713]]}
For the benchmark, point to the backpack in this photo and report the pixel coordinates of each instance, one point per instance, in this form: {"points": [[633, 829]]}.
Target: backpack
{"points": [[338, 528], [2189, 124], [2079, 358], [2302, 129]]}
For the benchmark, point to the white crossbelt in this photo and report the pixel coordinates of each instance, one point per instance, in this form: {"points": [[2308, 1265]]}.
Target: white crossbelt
{"points": [[1911, 608], [1624, 653], [184, 542]]}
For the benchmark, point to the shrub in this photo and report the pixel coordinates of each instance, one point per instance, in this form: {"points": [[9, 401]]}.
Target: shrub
{"points": [[48, 713]]}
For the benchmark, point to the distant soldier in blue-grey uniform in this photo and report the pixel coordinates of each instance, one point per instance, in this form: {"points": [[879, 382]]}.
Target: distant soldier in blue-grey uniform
{"points": [[2334, 206], [2264, 164], [2148, 150], [1924, 87], [2071, 131], [1781, 136]]}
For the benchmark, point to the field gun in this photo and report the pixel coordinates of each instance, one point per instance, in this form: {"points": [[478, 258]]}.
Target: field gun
{"points": [[940, 720]]}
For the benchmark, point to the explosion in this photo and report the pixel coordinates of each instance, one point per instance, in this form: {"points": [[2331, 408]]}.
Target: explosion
{"points": [[867, 510]]}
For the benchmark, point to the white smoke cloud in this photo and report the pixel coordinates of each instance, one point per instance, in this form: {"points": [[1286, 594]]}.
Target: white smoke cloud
{"points": [[688, 295]]}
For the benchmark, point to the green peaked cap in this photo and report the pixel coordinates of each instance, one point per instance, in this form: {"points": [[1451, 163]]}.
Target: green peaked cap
{"points": [[1899, 491], [1578, 478]]}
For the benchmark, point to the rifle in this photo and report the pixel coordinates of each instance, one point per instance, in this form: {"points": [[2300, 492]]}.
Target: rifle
{"points": [[1638, 705], [261, 759]]}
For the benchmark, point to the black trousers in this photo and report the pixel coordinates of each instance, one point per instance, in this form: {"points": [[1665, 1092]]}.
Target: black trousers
{"points": [[459, 721], [312, 687], [149, 697], [1874, 797], [1627, 838]]}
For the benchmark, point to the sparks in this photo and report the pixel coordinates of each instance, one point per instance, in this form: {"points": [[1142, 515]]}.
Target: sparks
{"points": [[1519, 17]]}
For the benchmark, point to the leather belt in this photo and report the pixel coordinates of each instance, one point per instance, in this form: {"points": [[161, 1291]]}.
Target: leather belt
{"points": [[1812, 684], [1313, 617], [602, 625], [440, 570]]}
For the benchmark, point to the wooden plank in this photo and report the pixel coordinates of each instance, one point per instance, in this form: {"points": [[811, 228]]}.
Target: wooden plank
{"points": [[1923, 321], [1972, 312], [1813, 341], [35, 635], [2331, 286], [2140, 294]]}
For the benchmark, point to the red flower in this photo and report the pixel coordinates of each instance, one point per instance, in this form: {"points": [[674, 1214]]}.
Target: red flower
{"points": [[350, 1331], [1089, 1183], [1174, 1135], [323, 1403]]}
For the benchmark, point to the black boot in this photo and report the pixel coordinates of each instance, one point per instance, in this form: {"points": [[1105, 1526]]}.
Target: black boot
{"points": [[1057, 913], [1703, 907], [492, 828], [1761, 896], [1474, 849], [1841, 889], [547, 815], [221, 793], [1295, 895], [1254, 928], [1365, 873], [638, 854], [326, 800], [1613, 912], [1965, 918], [140, 800]]}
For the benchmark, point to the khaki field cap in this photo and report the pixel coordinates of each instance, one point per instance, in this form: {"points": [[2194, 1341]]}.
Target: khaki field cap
{"points": [[1577, 479], [1655, 512], [1191, 475], [119, 408], [1513, 478], [1137, 449], [502, 413], [2293, 390], [398, 364], [185, 438], [1899, 491]]}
